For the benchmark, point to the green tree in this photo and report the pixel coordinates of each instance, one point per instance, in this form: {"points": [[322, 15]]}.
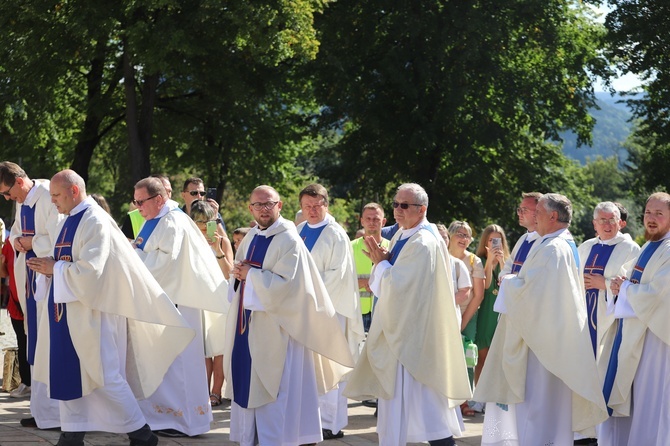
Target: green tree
{"points": [[458, 96]]}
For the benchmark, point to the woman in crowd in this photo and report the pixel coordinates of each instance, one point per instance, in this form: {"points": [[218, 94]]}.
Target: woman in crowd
{"points": [[202, 213], [493, 250], [460, 238]]}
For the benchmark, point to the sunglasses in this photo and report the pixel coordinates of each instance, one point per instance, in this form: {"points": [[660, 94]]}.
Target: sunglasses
{"points": [[397, 205], [140, 203], [195, 193]]}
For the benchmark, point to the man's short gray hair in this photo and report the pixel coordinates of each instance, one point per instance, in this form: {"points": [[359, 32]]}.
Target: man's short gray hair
{"points": [[420, 195], [608, 207], [560, 204]]}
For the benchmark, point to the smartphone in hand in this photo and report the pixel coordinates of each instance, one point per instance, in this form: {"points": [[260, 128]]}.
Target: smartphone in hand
{"points": [[211, 193]]}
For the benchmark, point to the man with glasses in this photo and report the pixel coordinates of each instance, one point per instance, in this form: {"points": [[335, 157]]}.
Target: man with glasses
{"points": [[32, 235], [540, 379], [178, 256], [331, 250], [113, 331], [526, 214], [284, 344], [194, 189], [413, 358], [601, 258]]}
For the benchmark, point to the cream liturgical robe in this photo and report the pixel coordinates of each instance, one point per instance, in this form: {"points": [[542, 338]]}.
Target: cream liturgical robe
{"points": [[415, 324], [624, 251], [644, 355], [544, 313], [46, 227], [182, 262], [297, 306], [46, 219], [335, 260], [105, 276]]}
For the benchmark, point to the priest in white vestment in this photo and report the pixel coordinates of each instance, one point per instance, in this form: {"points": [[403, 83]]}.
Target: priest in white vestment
{"points": [[101, 299], [413, 359], [600, 260], [284, 343], [32, 235], [526, 213], [331, 250], [173, 249], [641, 385], [540, 379]]}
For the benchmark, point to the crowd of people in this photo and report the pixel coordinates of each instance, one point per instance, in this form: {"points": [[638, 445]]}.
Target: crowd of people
{"points": [[143, 330]]}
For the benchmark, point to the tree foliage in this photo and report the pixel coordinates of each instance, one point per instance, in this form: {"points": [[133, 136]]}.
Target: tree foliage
{"points": [[458, 96]]}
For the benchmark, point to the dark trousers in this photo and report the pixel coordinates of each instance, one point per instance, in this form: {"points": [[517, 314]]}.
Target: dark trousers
{"points": [[21, 340]]}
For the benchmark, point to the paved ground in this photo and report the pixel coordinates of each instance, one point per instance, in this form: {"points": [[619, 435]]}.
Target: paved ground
{"points": [[360, 432]]}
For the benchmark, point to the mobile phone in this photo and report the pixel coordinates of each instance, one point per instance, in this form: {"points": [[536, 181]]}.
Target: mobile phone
{"points": [[496, 243], [211, 229], [211, 193]]}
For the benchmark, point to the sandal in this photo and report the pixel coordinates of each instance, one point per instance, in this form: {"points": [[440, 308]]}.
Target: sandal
{"points": [[215, 399]]}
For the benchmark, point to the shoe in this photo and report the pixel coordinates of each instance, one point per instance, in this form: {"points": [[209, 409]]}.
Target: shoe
{"points": [[587, 441], [214, 399], [20, 392], [173, 433], [329, 435], [369, 403], [29, 422], [153, 441]]}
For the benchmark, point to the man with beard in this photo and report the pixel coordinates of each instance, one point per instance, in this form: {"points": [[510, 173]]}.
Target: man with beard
{"points": [[637, 382], [284, 344]]}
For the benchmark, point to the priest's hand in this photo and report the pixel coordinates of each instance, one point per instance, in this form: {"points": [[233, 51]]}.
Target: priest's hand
{"points": [[375, 252], [23, 244], [594, 281], [42, 265], [615, 284], [240, 270]]}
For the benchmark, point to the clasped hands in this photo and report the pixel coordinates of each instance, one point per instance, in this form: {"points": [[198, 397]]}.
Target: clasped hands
{"points": [[615, 284], [375, 252], [42, 265]]}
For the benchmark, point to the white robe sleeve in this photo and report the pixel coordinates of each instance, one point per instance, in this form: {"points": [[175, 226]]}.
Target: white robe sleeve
{"points": [[376, 276], [622, 308], [62, 292]]}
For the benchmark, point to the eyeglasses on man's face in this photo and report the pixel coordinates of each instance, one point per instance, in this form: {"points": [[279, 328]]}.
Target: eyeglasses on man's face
{"points": [[258, 206], [603, 221], [8, 192], [195, 193], [404, 206], [140, 203]]}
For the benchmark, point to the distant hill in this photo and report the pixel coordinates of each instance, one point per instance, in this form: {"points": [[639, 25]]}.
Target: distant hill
{"points": [[610, 131]]}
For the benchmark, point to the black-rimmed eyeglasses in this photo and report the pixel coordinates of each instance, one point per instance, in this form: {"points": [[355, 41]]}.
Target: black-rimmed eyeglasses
{"points": [[140, 203], [258, 206]]}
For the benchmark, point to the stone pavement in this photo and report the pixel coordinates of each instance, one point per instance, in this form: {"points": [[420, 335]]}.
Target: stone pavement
{"points": [[360, 432]]}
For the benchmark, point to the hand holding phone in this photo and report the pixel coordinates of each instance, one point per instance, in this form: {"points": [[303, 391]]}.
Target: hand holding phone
{"points": [[211, 193]]}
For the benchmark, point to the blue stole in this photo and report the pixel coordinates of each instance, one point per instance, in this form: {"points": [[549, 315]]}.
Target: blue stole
{"points": [[146, 231], [521, 255], [311, 235], [613, 363], [28, 230], [240, 359], [595, 264], [64, 367], [395, 251]]}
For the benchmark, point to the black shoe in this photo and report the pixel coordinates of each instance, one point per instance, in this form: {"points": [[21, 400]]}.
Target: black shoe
{"points": [[29, 422], [173, 433], [369, 403], [587, 441], [329, 435], [153, 441]]}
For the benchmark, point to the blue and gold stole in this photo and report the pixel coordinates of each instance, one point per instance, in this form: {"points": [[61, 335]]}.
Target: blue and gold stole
{"points": [[64, 366], [28, 230], [240, 359], [595, 264]]}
